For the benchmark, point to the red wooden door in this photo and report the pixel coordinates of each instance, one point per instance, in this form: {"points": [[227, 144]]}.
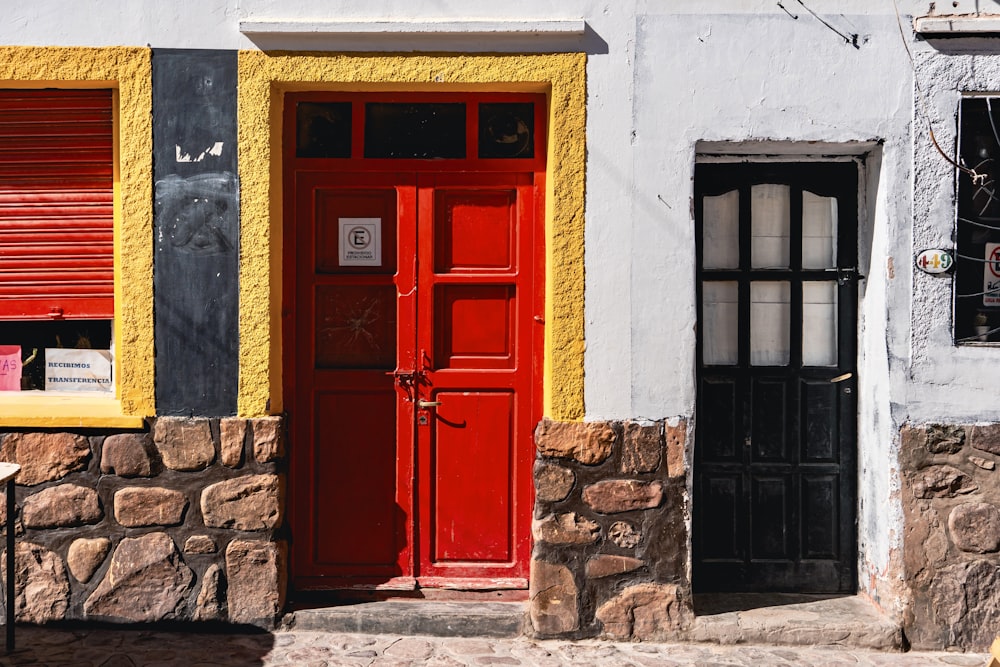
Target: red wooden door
{"points": [[352, 453], [475, 329], [414, 349]]}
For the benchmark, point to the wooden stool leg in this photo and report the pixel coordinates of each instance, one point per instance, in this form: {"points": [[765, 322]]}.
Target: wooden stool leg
{"points": [[10, 565]]}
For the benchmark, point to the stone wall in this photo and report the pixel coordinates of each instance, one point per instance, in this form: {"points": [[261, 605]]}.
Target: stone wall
{"points": [[951, 504], [175, 524], [611, 542]]}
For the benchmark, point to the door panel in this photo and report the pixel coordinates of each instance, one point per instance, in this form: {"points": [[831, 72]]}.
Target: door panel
{"points": [[774, 452], [476, 326], [473, 452], [819, 494], [475, 231], [360, 499]]}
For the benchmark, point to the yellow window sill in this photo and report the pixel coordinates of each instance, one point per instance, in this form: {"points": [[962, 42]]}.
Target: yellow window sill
{"points": [[56, 410]]}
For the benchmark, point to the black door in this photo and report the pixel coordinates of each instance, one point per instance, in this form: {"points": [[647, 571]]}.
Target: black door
{"points": [[774, 485]]}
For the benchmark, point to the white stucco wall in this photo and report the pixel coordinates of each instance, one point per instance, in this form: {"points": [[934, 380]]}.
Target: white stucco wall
{"points": [[663, 79]]}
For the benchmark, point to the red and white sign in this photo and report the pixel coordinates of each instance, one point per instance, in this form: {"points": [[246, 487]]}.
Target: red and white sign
{"points": [[991, 275], [10, 368]]}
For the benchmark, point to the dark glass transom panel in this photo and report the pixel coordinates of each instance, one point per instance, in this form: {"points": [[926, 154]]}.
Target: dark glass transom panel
{"points": [[323, 129], [507, 130], [415, 130]]}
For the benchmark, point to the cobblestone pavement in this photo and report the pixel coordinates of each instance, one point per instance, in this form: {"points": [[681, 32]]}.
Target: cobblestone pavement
{"points": [[153, 648]]}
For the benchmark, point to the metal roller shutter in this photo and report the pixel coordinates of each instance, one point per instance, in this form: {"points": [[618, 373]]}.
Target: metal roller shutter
{"points": [[56, 204]]}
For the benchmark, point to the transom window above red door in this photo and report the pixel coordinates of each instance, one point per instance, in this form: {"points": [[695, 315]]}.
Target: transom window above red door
{"points": [[388, 130]]}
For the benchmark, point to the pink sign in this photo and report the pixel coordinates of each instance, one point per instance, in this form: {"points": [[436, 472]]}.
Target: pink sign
{"points": [[10, 368]]}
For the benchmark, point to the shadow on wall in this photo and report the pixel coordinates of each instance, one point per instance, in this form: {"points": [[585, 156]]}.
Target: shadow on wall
{"points": [[187, 644]]}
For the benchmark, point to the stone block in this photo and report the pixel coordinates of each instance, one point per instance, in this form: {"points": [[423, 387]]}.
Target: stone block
{"points": [[554, 606], [184, 444], [200, 544], [944, 438], [41, 587], [256, 587], [912, 437], [268, 439], [211, 603], [622, 495], [641, 448], [980, 462], [244, 503], [552, 483], [606, 565], [624, 535], [45, 457], [565, 529], [965, 603], [645, 612], [129, 455], [18, 524], [232, 434], [146, 581], [138, 506], [588, 443], [941, 481], [412, 650], [86, 555], [985, 437], [975, 527], [675, 437], [62, 505]]}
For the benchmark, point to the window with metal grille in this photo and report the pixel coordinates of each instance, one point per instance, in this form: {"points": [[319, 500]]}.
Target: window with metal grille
{"points": [[977, 262], [56, 222]]}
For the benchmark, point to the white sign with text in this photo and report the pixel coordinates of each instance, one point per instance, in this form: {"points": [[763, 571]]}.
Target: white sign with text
{"points": [[68, 369], [360, 241]]}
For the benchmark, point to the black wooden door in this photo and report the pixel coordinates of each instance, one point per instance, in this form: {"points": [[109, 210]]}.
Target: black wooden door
{"points": [[774, 487]]}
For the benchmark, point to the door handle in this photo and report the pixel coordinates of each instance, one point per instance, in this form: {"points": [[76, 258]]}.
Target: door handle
{"points": [[841, 378], [423, 405]]}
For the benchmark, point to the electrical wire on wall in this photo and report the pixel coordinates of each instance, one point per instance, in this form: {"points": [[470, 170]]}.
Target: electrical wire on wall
{"points": [[922, 107]]}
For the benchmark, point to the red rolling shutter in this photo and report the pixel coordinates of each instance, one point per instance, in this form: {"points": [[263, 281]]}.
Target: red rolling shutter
{"points": [[56, 204]]}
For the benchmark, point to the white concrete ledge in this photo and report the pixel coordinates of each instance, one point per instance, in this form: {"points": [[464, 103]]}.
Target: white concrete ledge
{"points": [[958, 24], [566, 27]]}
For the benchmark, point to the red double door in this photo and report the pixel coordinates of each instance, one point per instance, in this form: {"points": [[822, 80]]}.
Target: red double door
{"points": [[415, 320]]}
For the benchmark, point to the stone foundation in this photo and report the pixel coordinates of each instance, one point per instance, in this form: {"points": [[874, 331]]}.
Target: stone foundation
{"points": [[951, 505], [175, 524], [611, 542]]}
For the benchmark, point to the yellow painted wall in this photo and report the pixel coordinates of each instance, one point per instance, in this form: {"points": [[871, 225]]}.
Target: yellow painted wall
{"points": [[128, 71], [264, 77]]}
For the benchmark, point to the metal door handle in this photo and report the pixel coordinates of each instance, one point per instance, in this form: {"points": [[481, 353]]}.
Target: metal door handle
{"points": [[841, 378], [428, 404]]}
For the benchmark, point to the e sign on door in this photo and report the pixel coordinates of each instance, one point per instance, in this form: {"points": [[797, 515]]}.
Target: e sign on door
{"points": [[360, 241]]}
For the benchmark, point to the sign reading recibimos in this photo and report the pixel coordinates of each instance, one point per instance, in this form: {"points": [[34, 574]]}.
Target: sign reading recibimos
{"points": [[77, 370]]}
